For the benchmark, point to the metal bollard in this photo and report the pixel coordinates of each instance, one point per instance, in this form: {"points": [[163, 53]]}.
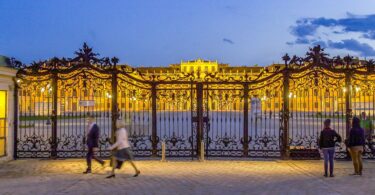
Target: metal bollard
{"points": [[163, 151], [202, 152]]}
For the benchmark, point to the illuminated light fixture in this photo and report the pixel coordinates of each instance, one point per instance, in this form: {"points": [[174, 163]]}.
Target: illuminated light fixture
{"points": [[18, 81], [357, 89], [42, 89], [290, 94], [295, 96], [344, 89], [48, 85], [108, 95]]}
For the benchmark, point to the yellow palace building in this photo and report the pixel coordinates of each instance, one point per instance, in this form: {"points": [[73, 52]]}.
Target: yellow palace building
{"points": [[303, 97]]}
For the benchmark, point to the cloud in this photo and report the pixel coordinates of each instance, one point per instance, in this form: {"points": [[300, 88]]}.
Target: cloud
{"points": [[225, 40], [369, 35], [303, 28], [353, 23], [353, 45], [311, 30]]}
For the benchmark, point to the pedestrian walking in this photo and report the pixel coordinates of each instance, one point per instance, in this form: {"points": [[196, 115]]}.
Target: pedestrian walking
{"points": [[356, 142], [367, 126], [92, 142], [327, 141], [123, 150]]}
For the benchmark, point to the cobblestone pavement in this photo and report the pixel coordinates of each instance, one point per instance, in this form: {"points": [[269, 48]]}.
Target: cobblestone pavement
{"points": [[185, 177]]}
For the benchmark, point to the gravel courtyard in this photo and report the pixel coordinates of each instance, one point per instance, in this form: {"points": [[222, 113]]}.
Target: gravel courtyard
{"points": [[185, 177]]}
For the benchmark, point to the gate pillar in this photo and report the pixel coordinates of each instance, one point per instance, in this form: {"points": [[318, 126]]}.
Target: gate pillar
{"points": [[348, 105], [54, 116], [246, 121], [154, 121], [15, 120], [114, 107], [285, 116], [348, 102], [199, 117]]}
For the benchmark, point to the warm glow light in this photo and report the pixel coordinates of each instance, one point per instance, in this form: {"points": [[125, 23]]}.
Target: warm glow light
{"points": [[42, 89], [3, 101], [108, 95], [344, 89], [357, 89], [290, 94], [18, 80]]}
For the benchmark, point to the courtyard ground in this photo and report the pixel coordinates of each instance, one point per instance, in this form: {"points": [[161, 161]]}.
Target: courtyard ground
{"points": [[185, 177]]}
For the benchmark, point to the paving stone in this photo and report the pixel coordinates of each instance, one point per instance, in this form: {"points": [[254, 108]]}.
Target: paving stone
{"points": [[185, 177]]}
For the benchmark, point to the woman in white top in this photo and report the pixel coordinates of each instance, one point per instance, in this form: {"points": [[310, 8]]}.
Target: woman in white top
{"points": [[123, 151]]}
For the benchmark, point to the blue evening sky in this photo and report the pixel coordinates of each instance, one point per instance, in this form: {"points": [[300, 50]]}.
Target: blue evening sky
{"points": [[162, 32]]}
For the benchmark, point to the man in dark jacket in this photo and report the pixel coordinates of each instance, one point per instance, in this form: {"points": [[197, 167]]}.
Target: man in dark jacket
{"points": [[92, 142], [327, 141]]}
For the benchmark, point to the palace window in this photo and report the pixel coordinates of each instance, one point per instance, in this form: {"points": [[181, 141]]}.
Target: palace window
{"points": [[340, 94], [315, 92], [326, 94], [213, 106], [85, 93], [74, 106], [3, 119]]}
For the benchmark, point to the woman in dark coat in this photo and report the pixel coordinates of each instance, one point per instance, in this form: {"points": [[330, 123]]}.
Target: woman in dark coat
{"points": [[356, 142], [327, 142]]}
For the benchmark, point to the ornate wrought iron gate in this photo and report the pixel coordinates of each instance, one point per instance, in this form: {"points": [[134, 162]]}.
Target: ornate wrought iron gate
{"points": [[267, 114]]}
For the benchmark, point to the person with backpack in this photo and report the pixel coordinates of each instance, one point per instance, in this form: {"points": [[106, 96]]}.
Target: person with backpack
{"points": [[327, 141]]}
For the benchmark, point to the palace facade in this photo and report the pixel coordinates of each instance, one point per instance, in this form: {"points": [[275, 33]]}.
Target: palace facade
{"points": [[326, 95]]}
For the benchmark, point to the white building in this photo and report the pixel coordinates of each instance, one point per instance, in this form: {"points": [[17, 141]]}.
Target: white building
{"points": [[6, 110]]}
